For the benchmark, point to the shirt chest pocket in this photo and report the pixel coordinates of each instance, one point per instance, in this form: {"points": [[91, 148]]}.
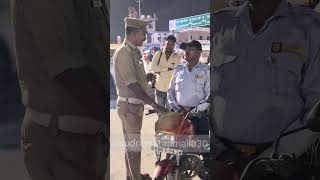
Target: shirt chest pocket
{"points": [[199, 82], [286, 72], [140, 66]]}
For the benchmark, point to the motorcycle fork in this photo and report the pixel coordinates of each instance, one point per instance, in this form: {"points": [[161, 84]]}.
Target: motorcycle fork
{"points": [[158, 155], [176, 174]]}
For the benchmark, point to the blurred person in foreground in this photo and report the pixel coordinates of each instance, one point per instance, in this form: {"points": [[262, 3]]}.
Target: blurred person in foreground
{"points": [[265, 75], [61, 63]]}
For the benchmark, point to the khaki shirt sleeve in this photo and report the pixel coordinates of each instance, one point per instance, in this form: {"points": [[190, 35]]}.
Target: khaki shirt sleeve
{"points": [[54, 27], [125, 67]]}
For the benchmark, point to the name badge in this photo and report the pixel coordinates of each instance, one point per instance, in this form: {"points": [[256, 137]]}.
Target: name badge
{"points": [[200, 77]]}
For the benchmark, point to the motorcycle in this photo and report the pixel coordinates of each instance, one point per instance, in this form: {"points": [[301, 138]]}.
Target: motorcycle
{"points": [[183, 149], [289, 167]]}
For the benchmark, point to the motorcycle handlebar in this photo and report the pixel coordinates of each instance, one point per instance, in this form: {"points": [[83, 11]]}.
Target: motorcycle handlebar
{"points": [[193, 110]]}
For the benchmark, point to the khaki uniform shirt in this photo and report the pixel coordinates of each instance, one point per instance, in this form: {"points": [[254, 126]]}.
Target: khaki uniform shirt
{"points": [[128, 69], [52, 37], [161, 65]]}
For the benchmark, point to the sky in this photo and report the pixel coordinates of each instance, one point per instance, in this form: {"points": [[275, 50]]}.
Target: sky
{"points": [[165, 10]]}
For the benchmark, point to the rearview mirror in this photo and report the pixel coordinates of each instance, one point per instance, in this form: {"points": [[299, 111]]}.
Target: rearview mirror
{"points": [[313, 118]]}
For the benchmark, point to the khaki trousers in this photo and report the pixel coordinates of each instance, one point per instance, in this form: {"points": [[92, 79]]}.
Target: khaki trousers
{"points": [[131, 117], [63, 156]]}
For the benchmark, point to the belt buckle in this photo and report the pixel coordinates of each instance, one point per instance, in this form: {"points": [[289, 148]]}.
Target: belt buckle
{"points": [[246, 149]]}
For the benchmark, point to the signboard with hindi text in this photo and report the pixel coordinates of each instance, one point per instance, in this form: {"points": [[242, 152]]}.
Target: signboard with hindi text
{"points": [[191, 21]]}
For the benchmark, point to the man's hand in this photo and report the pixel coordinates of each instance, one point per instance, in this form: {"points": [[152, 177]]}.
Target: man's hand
{"points": [[159, 108], [182, 111], [150, 76], [202, 107]]}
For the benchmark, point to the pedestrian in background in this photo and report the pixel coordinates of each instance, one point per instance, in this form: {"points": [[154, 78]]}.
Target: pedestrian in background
{"points": [[163, 63]]}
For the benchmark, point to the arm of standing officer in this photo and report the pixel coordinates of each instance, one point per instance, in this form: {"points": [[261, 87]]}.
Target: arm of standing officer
{"points": [[171, 94], [125, 69], [56, 31], [141, 94], [156, 67]]}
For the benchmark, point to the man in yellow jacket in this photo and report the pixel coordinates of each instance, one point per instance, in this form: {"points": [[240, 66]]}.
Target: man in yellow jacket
{"points": [[163, 63]]}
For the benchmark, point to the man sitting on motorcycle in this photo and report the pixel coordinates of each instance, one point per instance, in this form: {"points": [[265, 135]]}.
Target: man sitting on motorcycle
{"points": [[190, 86]]}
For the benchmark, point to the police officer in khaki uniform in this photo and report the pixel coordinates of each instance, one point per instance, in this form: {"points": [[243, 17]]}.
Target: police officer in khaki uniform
{"points": [[131, 84], [60, 60]]}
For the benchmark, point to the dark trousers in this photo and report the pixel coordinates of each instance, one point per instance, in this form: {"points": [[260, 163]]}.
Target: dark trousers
{"points": [[201, 125], [161, 98], [202, 129]]}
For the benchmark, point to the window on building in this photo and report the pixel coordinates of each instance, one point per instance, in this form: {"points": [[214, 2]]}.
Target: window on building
{"points": [[208, 38], [159, 39], [191, 37], [200, 38]]}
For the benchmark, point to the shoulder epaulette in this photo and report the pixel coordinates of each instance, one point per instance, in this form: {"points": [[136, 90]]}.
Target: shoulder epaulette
{"points": [[127, 48]]}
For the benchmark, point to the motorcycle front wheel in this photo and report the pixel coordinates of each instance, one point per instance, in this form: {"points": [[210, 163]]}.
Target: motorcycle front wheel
{"points": [[170, 176]]}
